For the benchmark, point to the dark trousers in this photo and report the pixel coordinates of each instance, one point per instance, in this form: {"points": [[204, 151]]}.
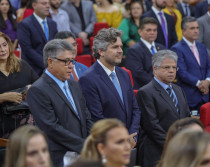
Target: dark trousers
{"points": [[57, 158]]}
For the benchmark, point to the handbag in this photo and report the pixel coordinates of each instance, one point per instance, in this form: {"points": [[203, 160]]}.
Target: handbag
{"points": [[9, 108]]}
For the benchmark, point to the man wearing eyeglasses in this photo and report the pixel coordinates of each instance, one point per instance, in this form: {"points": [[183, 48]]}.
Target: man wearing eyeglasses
{"points": [[161, 103], [57, 104]]}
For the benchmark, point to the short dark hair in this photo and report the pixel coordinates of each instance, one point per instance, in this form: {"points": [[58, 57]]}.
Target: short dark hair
{"points": [[147, 20], [186, 20], [64, 35]]}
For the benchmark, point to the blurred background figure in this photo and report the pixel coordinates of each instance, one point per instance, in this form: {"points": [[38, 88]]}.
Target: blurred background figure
{"points": [[29, 9], [186, 123], [129, 26], [14, 73], [175, 13], [107, 12], [188, 149], [27, 147], [21, 10], [108, 142], [8, 24], [185, 8]]}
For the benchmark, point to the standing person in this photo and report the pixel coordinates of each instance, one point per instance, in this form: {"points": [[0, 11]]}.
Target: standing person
{"points": [[166, 26], [60, 16], [130, 25], [107, 88], [204, 31], [139, 56], [185, 8], [161, 103], [79, 68], [82, 18], [15, 73], [34, 32], [8, 23], [194, 65], [58, 105], [28, 147]]}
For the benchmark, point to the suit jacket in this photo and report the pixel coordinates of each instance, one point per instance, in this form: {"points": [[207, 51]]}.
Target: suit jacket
{"points": [[80, 68], [32, 40], [190, 72], [75, 22], [55, 115], [103, 100], [139, 61], [204, 31], [172, 38], [201, 8], [158, 113], [179, 7]]}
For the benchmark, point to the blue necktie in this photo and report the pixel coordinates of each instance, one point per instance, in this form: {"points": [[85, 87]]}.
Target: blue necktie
{"points": [[163, 25], [46, 30], [173, 98], [116, 84], [153, 49], [70, 98]]}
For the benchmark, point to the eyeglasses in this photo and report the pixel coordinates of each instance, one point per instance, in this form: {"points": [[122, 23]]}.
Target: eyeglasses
{"points": [[167, 68], [66, 61]]}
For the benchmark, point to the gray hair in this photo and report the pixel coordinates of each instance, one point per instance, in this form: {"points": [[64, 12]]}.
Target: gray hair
{"points": [[55, 48], [104, 38], [158, 58], [186, 20]]}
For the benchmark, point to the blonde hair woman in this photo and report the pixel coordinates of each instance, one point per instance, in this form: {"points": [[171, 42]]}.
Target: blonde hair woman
{"points": [[109, 143]]}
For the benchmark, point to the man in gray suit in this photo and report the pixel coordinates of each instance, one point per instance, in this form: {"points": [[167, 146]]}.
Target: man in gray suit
{"points": [[82, 18], [204, 29], [58, 105], [161, 103]]}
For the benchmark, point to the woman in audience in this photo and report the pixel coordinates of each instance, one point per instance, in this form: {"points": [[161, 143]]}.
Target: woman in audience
{"points": [[129, 26], [175, 13], [14, 74], [188, 149], [109, 143], [187, 123], [21, 10], [8, 24], [107, 12], [27, 147]]}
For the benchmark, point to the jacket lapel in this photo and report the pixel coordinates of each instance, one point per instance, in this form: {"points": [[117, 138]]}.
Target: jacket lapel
{"points": [[39, 28]]}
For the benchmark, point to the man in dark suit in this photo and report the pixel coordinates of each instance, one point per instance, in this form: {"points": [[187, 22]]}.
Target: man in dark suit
{"points": [[166, 26], [185, 8], [79, 68], [161, 103], [201, 8], [194, 65], [106, 87], [34, 32], [58, 105], [139, 56]]}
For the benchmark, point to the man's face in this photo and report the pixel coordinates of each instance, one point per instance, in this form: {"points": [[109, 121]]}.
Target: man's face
{"points": [[60, 69], [149, 32], [113, 54], [191, 32], [55, 4], [159, 4], [41, 8], [73, 43], [166, 72]]}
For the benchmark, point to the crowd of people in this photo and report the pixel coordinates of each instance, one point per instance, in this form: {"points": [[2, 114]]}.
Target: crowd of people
{"points": [[56, 111]]}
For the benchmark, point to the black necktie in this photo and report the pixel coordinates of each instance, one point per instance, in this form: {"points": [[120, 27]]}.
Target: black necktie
{"points": [[173, 98]]}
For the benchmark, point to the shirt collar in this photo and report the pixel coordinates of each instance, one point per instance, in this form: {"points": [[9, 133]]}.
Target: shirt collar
{"points": [[163, 85], [52, 12], [148, 45], [157, 11], [188, 42], [108, 71], [39, 19]]}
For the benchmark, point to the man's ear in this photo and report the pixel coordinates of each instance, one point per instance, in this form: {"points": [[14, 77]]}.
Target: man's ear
{"points": [[101, 52]]}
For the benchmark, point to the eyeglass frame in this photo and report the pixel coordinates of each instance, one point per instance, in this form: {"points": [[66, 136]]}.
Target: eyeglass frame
{"points": [[167, 68], [66, 61]]}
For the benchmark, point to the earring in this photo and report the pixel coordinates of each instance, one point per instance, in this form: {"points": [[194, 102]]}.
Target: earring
{"points": [[103, 159]]}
